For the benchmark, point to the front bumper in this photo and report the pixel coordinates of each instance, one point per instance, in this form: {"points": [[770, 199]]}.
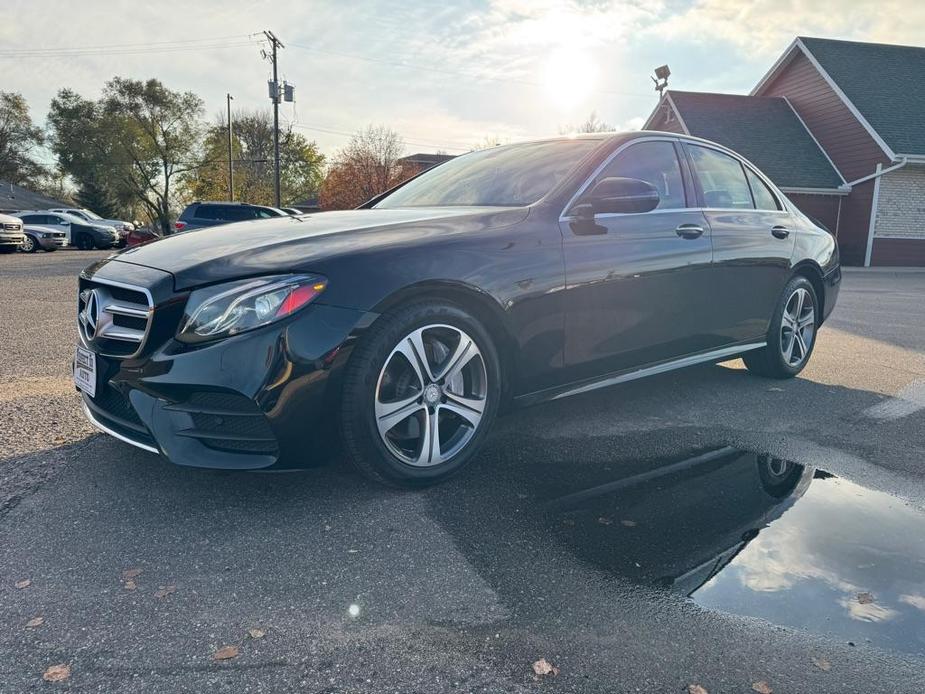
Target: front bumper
{"points": [[264, 398], [52, 243]]}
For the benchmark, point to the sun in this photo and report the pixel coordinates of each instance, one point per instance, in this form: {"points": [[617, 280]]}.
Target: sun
{"points": [[570, 77]]}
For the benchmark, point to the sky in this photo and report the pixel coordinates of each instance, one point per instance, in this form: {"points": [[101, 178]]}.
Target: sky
{"points": [[444, 75]]}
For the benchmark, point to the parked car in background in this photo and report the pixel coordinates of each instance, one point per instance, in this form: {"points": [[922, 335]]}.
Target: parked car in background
{"points": [[210, 214], [44, 238], [119, 225], [11, 236], [506, 276], [139, 236], [79, 232]]}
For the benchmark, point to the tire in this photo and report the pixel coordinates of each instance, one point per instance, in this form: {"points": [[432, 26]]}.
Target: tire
{"points": [[786, 354], [389, 443], [29, 245], [84, 242]]}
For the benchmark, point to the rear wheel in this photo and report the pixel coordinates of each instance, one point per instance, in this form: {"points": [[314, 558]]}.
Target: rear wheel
{"points": [[420, 394], [792, 334]]}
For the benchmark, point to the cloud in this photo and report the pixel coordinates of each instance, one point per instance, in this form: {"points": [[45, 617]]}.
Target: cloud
{"points": [[765, 27]]}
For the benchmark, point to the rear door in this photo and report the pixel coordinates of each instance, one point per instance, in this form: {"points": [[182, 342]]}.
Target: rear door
{"points": [[639, 286], [752, 240]]}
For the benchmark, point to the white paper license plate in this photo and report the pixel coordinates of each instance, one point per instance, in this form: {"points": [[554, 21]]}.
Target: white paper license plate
{"points": [[85, 371]]}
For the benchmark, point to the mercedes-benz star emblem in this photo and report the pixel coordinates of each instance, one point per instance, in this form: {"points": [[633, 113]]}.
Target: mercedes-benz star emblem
{"points": [[92, 313]]}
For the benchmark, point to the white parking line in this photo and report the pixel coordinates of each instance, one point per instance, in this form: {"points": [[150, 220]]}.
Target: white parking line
{"points": [[909, 400]]}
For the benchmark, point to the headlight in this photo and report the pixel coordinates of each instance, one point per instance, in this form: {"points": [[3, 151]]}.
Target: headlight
{"points": [[235, 307], [47, 235]]}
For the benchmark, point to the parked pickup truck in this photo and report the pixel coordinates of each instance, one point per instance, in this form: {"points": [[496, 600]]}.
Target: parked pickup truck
{"points": [[11, 236]]}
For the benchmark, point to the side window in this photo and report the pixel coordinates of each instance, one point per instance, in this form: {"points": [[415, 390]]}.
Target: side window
{"points": [[652, 162], [721, 178], [236, 213], [764, 198], [263, 214], [207, 212]]}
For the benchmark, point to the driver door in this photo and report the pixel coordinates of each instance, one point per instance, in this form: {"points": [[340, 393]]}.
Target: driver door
{"points": [[638, 285]]}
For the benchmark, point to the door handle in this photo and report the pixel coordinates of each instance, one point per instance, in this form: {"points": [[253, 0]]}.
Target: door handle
{"points": [[689, 231], [780, 232]]}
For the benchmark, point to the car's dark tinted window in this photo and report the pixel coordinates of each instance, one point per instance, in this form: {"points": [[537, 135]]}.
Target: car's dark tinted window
{"points": [[652, 162], [764, 198], [32, 218], [512, 175], [721, 178]]}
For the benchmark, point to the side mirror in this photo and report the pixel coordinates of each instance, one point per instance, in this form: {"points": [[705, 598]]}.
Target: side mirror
{"points": [[64, 222], [620, 195]]}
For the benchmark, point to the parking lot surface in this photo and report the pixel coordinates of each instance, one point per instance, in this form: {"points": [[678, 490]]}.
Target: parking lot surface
{"points": [[610, 534]]}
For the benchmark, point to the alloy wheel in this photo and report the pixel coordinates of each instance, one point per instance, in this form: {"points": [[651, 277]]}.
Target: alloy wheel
{"points": [[798, 327], [28, 244], [431, 395]]}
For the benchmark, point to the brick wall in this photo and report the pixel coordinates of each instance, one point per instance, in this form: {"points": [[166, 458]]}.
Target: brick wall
{"points": [[901, 206]]}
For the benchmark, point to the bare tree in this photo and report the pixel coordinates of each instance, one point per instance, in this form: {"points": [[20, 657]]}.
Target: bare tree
{"points": [[592, 124], [367, 166]]}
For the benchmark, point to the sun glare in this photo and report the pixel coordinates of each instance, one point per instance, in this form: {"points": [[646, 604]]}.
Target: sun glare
{"points": [[570, 77]]}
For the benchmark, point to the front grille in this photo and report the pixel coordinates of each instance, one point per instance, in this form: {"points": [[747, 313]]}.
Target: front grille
{"points": [[12, 226], [227, 422], [113, 317]]}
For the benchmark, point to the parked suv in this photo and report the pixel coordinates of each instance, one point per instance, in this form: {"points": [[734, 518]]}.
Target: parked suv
{"points": [[80, 233], [10, 233], [210, 214]]}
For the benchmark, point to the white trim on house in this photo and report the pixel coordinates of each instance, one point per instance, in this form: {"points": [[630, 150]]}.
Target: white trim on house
{"points": [[873, 216], [797, 43], [816, 191], [821, 149], [667, 100]]}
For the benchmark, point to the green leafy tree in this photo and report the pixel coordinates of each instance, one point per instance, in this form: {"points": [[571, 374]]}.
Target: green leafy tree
{"points": [[136, 142], [301, 164], [20, 140]]}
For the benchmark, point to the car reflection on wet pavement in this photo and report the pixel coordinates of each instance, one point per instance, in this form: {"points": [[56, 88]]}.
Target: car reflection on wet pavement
{"points": [[759, 536]]}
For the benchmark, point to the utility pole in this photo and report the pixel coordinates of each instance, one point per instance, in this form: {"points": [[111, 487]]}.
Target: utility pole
{"points": [[274, 95], [229, 99]]}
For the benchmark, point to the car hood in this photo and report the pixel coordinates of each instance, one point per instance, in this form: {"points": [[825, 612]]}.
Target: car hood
{"points": [[283, 244]]}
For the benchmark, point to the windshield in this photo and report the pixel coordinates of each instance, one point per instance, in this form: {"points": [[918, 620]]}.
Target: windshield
{"points": [[509, 176], [88, 214]]}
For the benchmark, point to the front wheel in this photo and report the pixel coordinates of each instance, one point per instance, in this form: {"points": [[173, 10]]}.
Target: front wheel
{"points": [[29, 244], [792, 334], [420, 393]]}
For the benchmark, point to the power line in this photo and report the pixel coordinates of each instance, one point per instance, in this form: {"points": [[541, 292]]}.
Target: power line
{"points": [[131, 49]]}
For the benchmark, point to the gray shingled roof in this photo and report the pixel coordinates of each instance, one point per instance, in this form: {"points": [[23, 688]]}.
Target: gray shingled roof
{"points": [[15, 198], [764, 130], [885, 82]]}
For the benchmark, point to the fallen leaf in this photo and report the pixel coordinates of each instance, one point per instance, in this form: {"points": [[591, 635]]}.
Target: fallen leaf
{"points": [[164, 591], [256, 633], [628, 523], [131, 573], [130, 585], [35, 622], [865, 598], [604, 520], [25, 583], [762, 687], [225, 653], [696, 689], [822, 664], [57, 673], [544, 667]]}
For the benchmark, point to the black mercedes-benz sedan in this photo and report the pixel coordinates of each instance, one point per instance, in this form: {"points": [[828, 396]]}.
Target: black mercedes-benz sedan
{"points": [[397, 332]]}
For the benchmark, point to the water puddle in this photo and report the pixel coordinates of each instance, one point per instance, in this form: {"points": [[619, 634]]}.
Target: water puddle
{"points": [[754, 535]]}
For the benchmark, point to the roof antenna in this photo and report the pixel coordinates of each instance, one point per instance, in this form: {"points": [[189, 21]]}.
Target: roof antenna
{"points": [[661, 79]]}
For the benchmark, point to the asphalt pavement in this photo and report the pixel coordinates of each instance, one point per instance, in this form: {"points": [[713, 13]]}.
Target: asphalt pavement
{"points": [[142, 572]]}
